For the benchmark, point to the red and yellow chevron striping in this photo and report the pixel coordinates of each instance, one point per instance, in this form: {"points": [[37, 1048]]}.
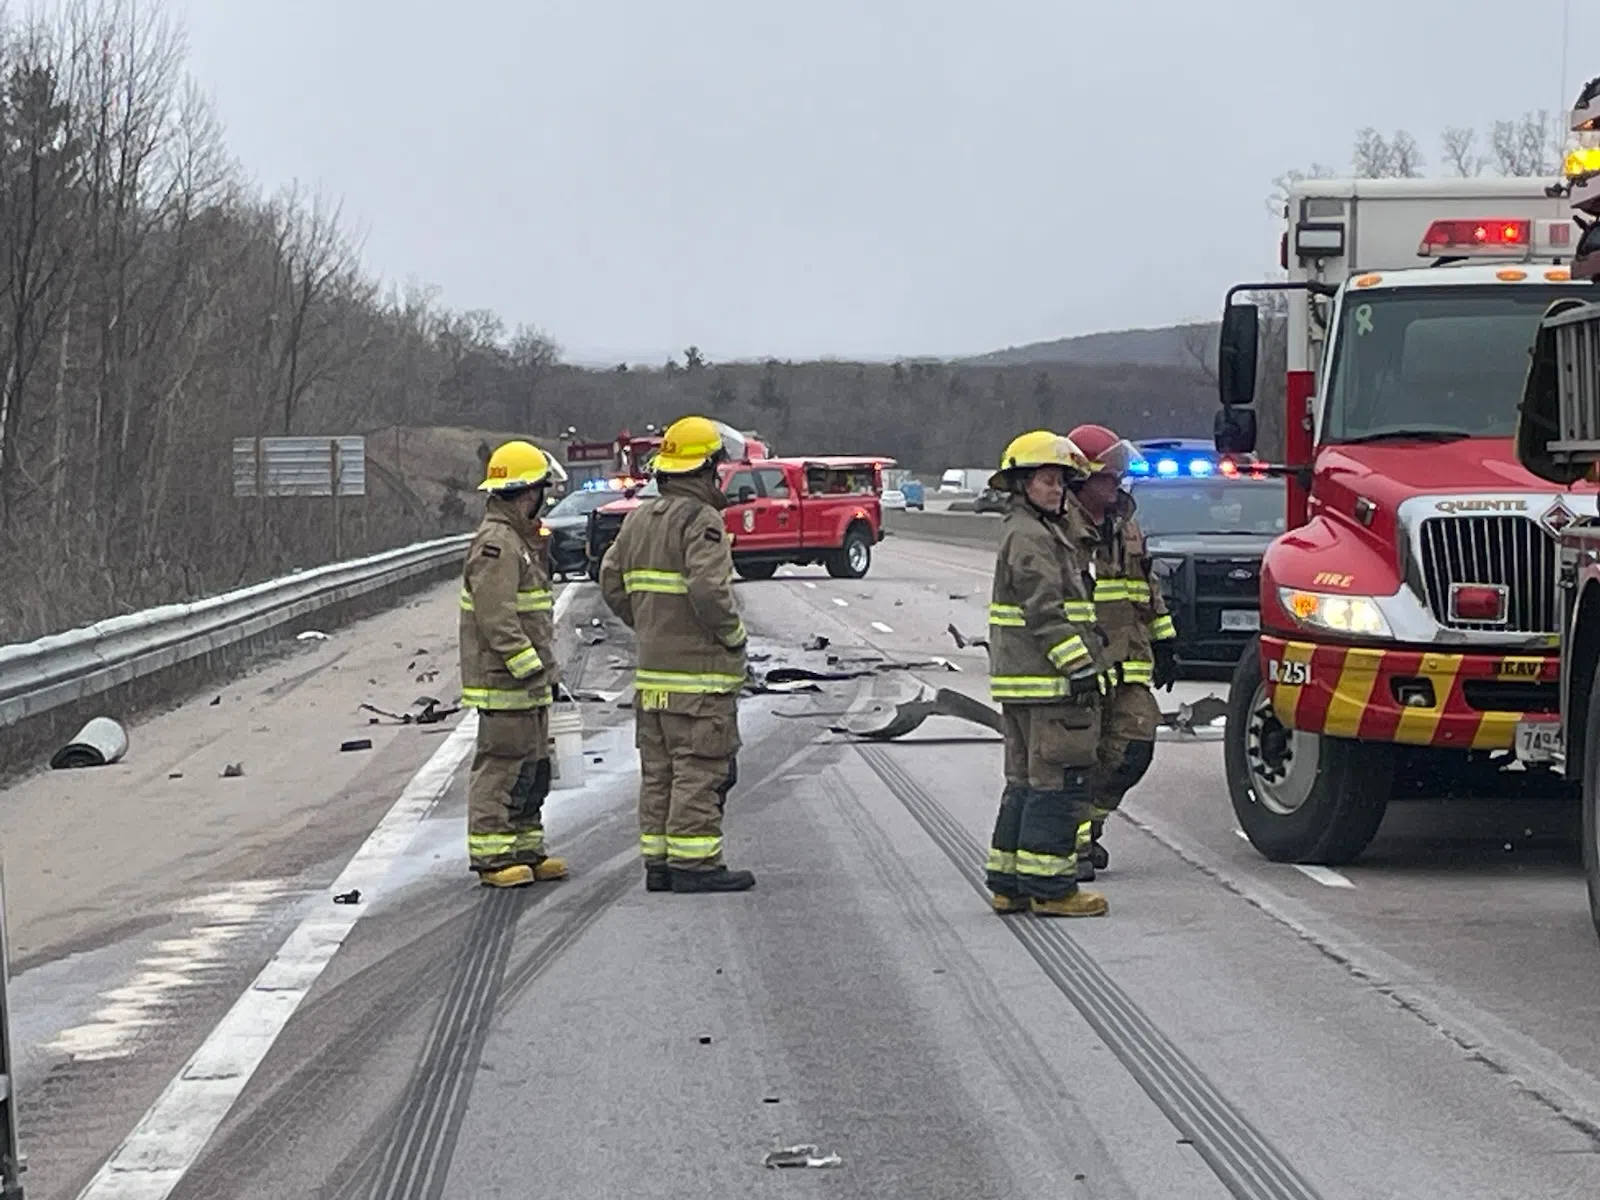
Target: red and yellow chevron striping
{"points": [[1353, 692]]}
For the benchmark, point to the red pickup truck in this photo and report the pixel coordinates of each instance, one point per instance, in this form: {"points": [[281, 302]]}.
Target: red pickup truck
{"points": [[783, 510]]}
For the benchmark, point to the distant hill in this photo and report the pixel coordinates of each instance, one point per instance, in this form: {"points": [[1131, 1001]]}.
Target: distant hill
{"points": [[1165, 346]]}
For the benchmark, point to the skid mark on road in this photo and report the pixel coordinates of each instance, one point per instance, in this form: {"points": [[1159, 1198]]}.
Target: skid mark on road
{"points": [[1240, 1156]]}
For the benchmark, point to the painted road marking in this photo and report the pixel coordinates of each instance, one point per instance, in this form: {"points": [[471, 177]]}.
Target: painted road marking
{"points": [[168, 1139], [841, 602], [810, 585], [881, 627], [1326, 876], [1241, 834]]}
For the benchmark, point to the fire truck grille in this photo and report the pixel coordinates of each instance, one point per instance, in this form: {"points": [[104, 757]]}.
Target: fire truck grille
{"points": [[1513, 552]]}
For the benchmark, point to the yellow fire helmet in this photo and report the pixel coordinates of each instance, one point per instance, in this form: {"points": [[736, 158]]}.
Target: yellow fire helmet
{"points": [[689, 443], [1040, 448], [517, 465]]}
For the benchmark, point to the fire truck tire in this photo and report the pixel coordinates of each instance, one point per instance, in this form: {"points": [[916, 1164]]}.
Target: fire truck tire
{"points": [[1299, 797], [755, 570], [1591, 799], [853, 559]]}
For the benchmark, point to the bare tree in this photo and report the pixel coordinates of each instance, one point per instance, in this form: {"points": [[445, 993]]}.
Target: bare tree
{"points": [[1377, 157], [1529, 145], [1461, 154]]}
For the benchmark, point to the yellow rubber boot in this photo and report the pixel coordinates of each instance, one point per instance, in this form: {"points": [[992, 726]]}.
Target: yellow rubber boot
{"points": [[1079, 904], [1007, 905], [507, 877], [550, 869]]}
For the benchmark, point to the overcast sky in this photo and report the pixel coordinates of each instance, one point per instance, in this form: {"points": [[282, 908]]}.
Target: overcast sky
{"points": [[858, 178]]}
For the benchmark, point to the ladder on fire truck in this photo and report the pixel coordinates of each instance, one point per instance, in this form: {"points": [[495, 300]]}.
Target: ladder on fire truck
{"points": [[10, 1156], [1574, 330]]}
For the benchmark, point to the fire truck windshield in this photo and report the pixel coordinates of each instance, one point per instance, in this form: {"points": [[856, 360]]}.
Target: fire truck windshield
{"points": [[1432, 362]]}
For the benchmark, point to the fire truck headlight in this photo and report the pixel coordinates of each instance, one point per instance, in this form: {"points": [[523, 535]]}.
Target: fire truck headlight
{"points": [[1354, 616]]}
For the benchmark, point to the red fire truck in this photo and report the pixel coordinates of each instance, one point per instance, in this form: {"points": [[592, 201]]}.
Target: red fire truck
{"points": [[1410, 610], [625, 457]]}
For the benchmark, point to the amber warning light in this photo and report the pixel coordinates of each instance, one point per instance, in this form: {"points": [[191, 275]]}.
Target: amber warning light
{"points": [[1463, 236]]}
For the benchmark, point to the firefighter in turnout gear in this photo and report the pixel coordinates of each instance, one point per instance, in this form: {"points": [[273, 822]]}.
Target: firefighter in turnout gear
{"points": [[507, 670], [1046, 672], [669, 577], [1130, 609]]}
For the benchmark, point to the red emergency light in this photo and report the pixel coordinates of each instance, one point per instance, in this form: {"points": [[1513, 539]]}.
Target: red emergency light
{"points": [[1464, 235], [1481, 602]]}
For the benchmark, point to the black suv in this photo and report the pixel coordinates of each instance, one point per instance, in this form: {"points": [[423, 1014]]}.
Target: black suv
{"points": [[1207, 527]]}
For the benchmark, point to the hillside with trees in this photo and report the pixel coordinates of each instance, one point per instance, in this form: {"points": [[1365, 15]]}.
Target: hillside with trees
{"points": [[155, 305]]}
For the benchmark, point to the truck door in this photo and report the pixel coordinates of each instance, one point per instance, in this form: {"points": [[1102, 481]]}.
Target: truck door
{"points": [[740, 515], [777, 523]]}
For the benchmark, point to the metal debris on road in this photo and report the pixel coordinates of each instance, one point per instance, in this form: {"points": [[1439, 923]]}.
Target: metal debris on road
{"points": [[962, 641], [216, 701], [880, 719], [233, 770], [311, 635], [817, 643], [801, 1156], [355, 744], [428, 712], [98, 743], [1190, 718]]}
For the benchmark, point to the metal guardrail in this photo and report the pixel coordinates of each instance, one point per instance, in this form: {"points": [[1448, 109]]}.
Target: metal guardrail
{"points": [[967, 529], [63, 668]]}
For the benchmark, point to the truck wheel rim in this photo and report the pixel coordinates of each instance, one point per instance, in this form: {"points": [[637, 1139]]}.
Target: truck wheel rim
{"points": [[1282, 762], [858, 555]]}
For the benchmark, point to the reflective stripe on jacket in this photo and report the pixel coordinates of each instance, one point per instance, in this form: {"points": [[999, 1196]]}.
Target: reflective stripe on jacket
{"points": [[1041, 619], [669, 577], [507, 623], [1129, 607]]}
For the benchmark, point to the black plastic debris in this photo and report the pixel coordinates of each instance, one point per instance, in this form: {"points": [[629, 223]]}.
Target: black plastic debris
{"points": [[878, 719], [962, 641], [353, 896], [355, 744], [233, 770], [817, 643], [98, 743]]}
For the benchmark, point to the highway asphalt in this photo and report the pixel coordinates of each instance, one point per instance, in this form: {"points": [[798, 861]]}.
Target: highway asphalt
{"points": [[1421, 1024]]}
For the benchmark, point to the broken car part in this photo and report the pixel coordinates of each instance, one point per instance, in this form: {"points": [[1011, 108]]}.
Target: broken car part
{"points": [[98, 743]]}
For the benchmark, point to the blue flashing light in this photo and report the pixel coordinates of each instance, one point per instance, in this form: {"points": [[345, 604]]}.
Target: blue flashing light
{"points": [[1167, 467], [1139, 466], [594, 485], [1201, 466]]}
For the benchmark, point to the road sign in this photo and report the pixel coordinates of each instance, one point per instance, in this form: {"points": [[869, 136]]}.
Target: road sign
{"points": [[300, 466]]}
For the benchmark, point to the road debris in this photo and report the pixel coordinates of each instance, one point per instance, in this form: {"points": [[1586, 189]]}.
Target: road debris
{"points": [[962, 641], [355, 744], [311, 635], [233, 770], [591, 635], [1191, 718], [817, 643], [98, 743], [216, 701], [880, 719], [353, 896], [801, 1156], [428, 712]]}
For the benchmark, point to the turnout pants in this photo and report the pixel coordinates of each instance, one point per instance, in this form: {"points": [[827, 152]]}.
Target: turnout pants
{"points": [[1128, 720], [688, 763], [505, 795], [1044, 810]]}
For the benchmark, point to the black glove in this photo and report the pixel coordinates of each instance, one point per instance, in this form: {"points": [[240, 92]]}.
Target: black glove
{"points": [[1086, 686], [1166, 668]]}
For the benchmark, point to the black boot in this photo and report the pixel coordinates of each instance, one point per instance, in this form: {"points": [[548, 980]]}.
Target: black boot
{"points": [[657, 877], [720, 879], [1097, 852], [1085, 868]]}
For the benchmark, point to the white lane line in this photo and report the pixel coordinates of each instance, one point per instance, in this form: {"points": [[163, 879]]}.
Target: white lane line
{"points": [[1241, 835], [1326, 876], [881, 627], [841, 602], [153, 1159], [809, 584]]}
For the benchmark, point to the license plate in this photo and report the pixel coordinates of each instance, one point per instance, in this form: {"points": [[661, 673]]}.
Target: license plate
{"points": [[1538, 741], [1241, 620]]}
